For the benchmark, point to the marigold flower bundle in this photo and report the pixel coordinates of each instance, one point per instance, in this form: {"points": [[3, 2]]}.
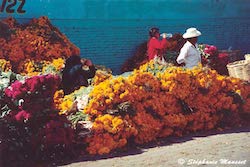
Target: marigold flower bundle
{"points": [[58, 99], [38, 40], [73, 102], [100, 76], [34, 67], [166, 101], [109, 133]]}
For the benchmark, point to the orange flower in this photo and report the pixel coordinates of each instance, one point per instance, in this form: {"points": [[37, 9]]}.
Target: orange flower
{"points": [[40, 42], [163, 101], [58, 99]]}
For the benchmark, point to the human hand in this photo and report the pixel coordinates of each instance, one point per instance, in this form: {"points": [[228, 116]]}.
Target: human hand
{"points": [[164, 35], [182, 64]]}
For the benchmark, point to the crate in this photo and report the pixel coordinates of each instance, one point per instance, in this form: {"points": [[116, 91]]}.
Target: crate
{"points": [[239, 69]]}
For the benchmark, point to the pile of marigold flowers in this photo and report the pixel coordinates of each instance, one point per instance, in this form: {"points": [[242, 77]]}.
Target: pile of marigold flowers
{"points": [[151, 102], [37, 41], [157, 101], [32, 67], [142, 106]]}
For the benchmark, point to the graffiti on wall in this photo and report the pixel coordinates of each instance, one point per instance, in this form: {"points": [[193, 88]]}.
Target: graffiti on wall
{"points": [[12, 6]]}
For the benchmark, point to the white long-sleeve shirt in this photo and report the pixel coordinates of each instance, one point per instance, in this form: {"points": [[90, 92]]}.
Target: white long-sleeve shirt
{"points": [[189, 55]]}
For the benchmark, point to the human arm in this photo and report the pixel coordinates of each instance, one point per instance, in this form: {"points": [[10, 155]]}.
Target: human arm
{"points": [[90, 73], [181, 57], [159, 44], [75, 69]]}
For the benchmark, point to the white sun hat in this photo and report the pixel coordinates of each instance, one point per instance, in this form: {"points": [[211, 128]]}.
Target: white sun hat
{"points": [[191, 32]]}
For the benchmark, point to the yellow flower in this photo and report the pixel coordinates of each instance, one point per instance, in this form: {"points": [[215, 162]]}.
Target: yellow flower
{"points": [[5, 65], [66, 105], [166, 101], [58, 63], [58, 99]]}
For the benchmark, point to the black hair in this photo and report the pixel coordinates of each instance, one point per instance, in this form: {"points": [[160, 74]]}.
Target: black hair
{"points": [[153, 31]]}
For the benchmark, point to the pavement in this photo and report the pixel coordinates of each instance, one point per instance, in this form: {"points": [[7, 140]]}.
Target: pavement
{"points": [[227, 148]]}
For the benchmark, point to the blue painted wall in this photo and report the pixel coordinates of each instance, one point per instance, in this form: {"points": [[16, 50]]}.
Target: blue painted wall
{"points": [[108, 31]]}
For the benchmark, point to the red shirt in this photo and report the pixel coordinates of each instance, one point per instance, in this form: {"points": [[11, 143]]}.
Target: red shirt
{"points": [[156, 47]]}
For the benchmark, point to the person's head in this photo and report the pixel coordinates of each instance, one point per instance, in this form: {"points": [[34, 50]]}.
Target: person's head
{"points": [[191, 35], [86, 62], [193, 40], [154, 32]]}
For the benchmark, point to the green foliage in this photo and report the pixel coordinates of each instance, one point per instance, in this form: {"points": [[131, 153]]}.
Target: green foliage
{"points": [[6, 79], [74, 118]]}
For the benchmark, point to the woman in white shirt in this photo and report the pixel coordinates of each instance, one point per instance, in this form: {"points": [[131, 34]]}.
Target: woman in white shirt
{"points": [[189, 54]]}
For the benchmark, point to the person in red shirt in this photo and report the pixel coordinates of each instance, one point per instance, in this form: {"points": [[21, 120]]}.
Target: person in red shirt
{"points": [[156, 47]]}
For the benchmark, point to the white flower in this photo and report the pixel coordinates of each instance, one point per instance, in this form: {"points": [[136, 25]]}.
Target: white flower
{"points": [[82, 101]]}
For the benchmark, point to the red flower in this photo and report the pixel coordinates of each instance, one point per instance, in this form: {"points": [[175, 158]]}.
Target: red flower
{"points": [[22, 115], [224, 58], [58, 131], [211, 50], [33, 83]]}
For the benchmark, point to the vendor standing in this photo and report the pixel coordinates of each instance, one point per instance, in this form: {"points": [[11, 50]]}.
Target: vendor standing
{"points": [[189, 55], [156, 47]]}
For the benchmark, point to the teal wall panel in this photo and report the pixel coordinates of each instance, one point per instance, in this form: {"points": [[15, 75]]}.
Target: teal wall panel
{"points": [[108, 31]]}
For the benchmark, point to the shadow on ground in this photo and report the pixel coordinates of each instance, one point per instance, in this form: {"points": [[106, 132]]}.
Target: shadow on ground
{"points": [[134, 149]]}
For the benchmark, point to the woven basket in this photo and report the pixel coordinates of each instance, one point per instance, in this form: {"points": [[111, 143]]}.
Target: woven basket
{"points": [[239, 69], [247, 56], [246, 71]]}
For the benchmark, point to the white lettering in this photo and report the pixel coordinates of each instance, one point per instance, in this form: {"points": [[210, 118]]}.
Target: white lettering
{"points": [[201, 162], [233, 162]]}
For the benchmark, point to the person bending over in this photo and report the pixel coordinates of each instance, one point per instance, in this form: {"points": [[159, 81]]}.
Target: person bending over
{"points": [[76, 73]]}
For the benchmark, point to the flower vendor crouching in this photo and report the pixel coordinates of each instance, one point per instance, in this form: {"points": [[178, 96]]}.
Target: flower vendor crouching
{"points": [[76, 73]]}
